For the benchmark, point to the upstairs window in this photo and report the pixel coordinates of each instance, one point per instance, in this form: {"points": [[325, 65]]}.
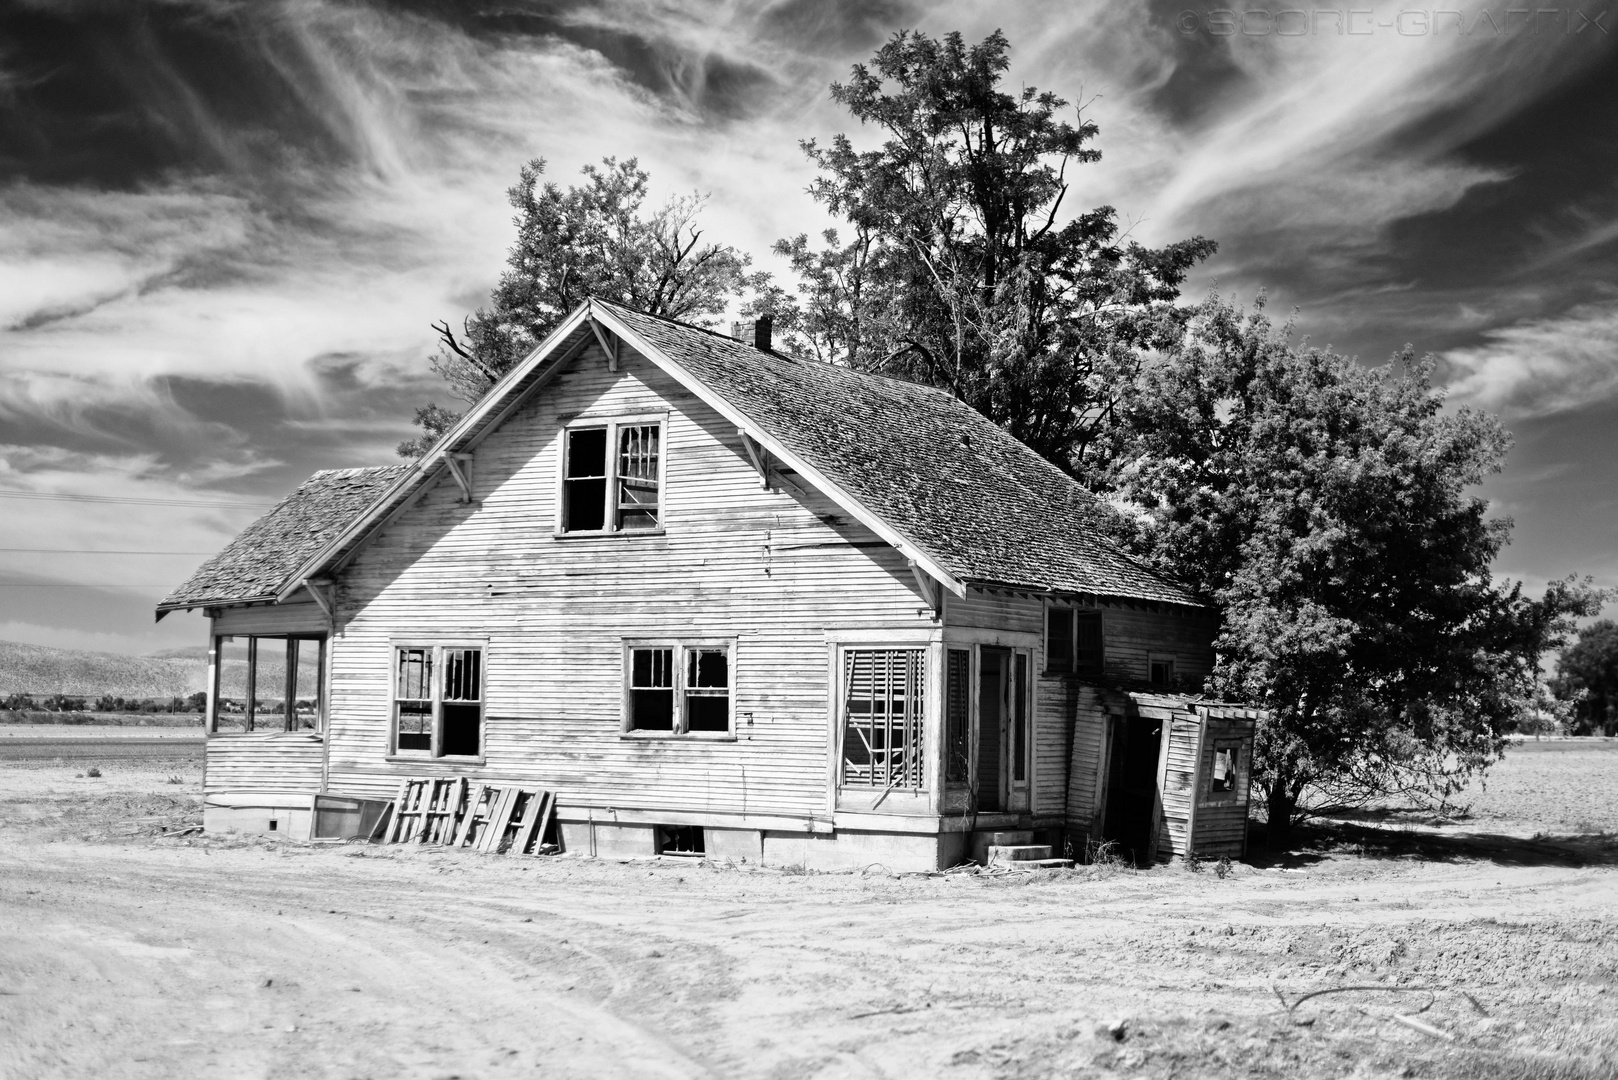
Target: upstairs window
{"points": [[1073, 642], [438, 701], [1161, 671], [680, 689], [612, 478]]}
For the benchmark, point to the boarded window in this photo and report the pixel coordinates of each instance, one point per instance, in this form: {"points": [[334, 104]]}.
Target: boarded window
{"points": [[883, 709], [680, 688], [958, 716], [584, 495], [637, 476], [438, 701]]}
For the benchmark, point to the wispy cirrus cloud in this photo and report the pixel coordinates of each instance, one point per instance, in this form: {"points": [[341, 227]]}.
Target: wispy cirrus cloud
{"points": [[1542, 366]]}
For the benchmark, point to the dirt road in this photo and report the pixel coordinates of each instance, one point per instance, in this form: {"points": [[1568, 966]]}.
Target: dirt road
{"points": [[124, 954]]}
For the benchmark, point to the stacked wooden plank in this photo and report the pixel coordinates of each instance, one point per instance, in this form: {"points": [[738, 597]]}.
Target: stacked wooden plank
{"points": [[494, 818]]}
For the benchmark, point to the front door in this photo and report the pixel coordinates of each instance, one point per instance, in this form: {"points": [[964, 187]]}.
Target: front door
{"points": [[1004, 732]]}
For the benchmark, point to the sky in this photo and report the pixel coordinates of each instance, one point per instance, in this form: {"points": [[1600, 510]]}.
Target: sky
{"points": [[226, 227]]}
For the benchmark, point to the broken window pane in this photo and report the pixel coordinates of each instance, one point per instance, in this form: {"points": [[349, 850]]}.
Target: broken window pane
{"points": [[883, 706], [1224, 768], [413, 700], [651, 689], [585, 486], [637, 476]]}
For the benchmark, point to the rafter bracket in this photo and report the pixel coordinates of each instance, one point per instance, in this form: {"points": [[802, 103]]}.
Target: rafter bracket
{"points": [[759, 456], [931, 591], [608, 343], [460, 467]]}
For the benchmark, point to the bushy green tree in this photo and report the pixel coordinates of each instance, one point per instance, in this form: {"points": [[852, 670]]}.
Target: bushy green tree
{"points": [[961, 267], [1587, 679], [595, 238], [1325, 508]]}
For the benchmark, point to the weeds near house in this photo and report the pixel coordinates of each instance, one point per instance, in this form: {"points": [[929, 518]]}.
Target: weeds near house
{"points": [[1222, 867], [175, 780], [92, 772]]}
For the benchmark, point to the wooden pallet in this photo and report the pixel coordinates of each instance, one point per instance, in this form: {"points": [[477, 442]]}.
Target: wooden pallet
{"points": [[492, 818], [425, 811]]}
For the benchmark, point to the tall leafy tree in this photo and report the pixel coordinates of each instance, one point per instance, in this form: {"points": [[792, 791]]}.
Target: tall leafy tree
{"points": [[1324, 507], [1587, 679], [595, 238], [961, 266]]}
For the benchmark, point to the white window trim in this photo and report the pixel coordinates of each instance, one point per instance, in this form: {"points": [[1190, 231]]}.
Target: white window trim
{"points": [[437, 647], [931, 723], [611, 424], [681, 646]]}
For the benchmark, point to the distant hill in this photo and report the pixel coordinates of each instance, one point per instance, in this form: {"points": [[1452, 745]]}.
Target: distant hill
{"points": [[38, 669], [41, 670]]}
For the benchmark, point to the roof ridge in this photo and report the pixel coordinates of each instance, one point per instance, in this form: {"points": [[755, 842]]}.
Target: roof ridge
{"points": [[776, 354]]}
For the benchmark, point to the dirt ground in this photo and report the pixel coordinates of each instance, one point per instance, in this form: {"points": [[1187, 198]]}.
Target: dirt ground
{"points": [[130, 948]]}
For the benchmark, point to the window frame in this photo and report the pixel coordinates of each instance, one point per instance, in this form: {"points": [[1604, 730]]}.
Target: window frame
{"points": [[250, 724], [925, 782], [1170, 659], [437, 648], [1070, 663], [1213, 795], [683, 648], [612, 425]]}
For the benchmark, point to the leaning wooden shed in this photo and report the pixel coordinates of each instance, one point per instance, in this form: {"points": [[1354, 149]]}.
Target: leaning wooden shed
{"points": [[707, 594]]}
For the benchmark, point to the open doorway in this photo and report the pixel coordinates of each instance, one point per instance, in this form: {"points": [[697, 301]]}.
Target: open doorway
{"points": [[1131, 810]]}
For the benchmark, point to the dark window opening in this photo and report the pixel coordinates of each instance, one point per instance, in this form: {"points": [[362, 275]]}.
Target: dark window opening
{"points": [[707, 690], [1019, 721], [686, 840], [651, 690], [1162, 672], [1087, 654], [1059, 640], [585, 485], [957, 716]]}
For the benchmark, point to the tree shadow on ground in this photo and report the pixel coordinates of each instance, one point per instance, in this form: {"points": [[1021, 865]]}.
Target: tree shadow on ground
{"points": [[1402, 838]]}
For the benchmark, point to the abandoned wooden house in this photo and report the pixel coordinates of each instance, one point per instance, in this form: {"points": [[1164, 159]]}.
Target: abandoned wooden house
{"points": [[718, 599]]}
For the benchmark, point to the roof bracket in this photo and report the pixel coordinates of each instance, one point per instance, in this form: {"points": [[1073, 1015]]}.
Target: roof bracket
{"points": [[319, 588], [608, 343], [460, 467], [931, 591], [759, 456]]}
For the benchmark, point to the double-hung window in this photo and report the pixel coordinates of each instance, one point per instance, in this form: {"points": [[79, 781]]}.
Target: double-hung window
{"points": [[678, 688], [438, 701], [1073, 641], [612, 476]]}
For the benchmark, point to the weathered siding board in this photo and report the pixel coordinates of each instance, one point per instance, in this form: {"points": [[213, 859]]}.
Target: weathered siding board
{"points": [[1178, 784], [269, 619], [1084, 772], [263, 762], [774, 570], [1132, 634]]}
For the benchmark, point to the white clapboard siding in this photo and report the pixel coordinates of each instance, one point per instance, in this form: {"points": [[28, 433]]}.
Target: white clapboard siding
{"points": [[289, 618], [262, 761], [1221, 824]]}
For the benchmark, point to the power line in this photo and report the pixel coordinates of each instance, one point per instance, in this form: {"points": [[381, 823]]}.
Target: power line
{"points": [[103, 551], [10, 493]]}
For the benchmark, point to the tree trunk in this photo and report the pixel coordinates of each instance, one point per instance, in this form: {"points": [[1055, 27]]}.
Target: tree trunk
{"points": [[1282, 803]]}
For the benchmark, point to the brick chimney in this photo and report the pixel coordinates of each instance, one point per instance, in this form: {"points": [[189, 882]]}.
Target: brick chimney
{"points": [[761, 333]]}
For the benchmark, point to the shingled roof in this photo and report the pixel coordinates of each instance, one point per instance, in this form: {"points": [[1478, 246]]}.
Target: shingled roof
{"points": [[259, 563], [986, 507], [935, 475]]}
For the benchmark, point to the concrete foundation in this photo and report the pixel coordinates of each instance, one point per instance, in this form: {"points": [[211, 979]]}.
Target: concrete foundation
{"points": [[270, 813]]}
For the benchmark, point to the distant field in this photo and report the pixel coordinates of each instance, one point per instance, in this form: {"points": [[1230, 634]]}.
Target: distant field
{"points": [[1561, 786], [23, 718]]}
